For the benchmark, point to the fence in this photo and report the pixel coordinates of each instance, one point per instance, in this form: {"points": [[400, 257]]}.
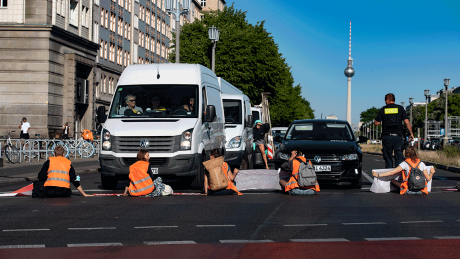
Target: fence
{"points": [[42, 149]]}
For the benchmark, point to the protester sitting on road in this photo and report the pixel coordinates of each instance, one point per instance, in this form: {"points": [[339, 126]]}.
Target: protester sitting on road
{"points": [[141, 181], [413, 161], [131, 107], [57, 173], [289, 175], [259, 132], [231, 189]]}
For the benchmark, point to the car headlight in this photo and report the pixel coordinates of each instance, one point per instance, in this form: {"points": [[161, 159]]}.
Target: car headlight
{"points": [[283, 156], [186, 140], [234, 142], [106, 144], [350, 157]]}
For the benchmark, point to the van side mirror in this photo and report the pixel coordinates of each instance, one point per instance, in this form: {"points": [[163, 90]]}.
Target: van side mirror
{"points": [[101, 116], [249, 121], [210, 113], [362, 139]]}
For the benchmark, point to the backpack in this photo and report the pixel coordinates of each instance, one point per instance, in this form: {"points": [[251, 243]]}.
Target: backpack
{"points": [[307, 174], [217, 179], [416, 178]]}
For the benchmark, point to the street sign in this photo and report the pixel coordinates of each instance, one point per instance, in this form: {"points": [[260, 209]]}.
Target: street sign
{"points": [[442, 132]]}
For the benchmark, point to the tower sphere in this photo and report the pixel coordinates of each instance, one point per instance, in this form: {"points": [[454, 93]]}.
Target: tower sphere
{"points": [[349, 72]]}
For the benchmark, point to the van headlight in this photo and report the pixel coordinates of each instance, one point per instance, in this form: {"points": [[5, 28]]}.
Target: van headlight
{"points": [[283, 156], [234, 142], [349, 157], [186, 140], [106, 144]]}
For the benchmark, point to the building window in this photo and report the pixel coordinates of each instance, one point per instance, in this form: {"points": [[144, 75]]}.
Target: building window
{"points": [[119, 56], [120, 26], [106, 18], [95, 32], [112, 22], [73, 14], [102, 17], [203, 3], [112, 52], [104, 82], [163, 28], [129, 31], [158, 24], [120, 2], [152, 45], [97, 90], [147, 17], [147, 42], [126, 30], [101, 49], [105, 49], [4, 3]]}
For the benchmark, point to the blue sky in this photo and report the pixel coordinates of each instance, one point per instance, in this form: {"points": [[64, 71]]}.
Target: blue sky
{"points": [[402, 47]]}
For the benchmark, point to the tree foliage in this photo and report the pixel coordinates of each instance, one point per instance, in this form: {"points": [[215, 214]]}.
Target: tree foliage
{"points": [[247, 57]]}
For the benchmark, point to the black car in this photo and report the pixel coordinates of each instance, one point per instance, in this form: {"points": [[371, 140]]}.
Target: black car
{"points": [[330, 145]]}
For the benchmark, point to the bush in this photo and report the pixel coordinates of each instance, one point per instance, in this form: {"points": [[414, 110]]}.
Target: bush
{"points": [[450, 151]]}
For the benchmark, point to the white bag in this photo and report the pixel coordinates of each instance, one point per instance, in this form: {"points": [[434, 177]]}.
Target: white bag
{"points": [[167, 191], [380, 186], [428, 185]]}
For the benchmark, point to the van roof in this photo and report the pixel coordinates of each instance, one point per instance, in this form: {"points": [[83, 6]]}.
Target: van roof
{"points": [[227, 88]]}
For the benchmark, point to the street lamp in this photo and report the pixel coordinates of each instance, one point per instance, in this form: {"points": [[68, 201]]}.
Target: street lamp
{"points": [[427, 93], [403, 104], [174, 7], [214, 37], [446, 84], [411, 102]]}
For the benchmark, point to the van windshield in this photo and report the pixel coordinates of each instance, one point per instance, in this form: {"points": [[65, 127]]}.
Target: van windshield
{"points": [[165, 101], [320, 131], [232, 111]]}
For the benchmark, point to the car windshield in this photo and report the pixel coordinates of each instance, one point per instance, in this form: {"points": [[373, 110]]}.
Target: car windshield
{"points": [[165, 101], [319, 131], [232, 111]]}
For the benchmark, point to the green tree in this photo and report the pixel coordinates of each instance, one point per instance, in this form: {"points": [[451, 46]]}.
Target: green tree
{"points": [[247, 57]]}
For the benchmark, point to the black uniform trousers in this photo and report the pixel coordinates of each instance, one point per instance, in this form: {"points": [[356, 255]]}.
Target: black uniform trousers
{"points": [[390, 144]]}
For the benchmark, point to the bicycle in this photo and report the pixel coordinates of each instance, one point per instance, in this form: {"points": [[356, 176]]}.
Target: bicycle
{"points": [[33, 148], [11, 151], [85, 149]]}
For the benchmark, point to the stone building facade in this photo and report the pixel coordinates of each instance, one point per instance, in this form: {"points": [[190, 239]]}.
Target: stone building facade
{"points": [[212, 5]]}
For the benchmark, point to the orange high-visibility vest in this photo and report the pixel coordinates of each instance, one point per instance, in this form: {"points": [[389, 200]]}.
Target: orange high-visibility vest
{"points": [[292, 183], [58, 172], [141, 182], [405, 175], [230, 183], [88, 135]]}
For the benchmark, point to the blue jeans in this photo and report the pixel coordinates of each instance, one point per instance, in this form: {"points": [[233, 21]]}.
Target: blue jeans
{"points": [[298, 191], [413, 192], [390, 144]]}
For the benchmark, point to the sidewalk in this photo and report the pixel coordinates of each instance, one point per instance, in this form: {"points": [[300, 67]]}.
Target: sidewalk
{"points": [[28, 171]]}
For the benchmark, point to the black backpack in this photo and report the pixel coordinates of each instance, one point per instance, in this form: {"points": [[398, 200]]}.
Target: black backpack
{"points": [[416, 178]]}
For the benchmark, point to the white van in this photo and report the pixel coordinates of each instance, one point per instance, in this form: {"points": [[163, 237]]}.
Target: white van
{"points": [[238, 126], [257, 114], [173, 110]]}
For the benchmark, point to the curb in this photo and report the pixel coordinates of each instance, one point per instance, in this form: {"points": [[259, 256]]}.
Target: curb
{"points": [[34, 177], [436, 165]]}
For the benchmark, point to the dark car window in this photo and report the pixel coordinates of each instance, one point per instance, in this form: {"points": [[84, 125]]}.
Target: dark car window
{"points": [[319, 131]]}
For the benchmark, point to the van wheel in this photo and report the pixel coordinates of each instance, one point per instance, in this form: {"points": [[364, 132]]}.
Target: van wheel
{"points": [[198, 183], [109, 182], [245, 163]]}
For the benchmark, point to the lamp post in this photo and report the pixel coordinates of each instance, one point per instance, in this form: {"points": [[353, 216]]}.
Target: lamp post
{"points": [[403, 104], [174, 7], [411, 102], [214, 34], [446, 126], [427, 93]]}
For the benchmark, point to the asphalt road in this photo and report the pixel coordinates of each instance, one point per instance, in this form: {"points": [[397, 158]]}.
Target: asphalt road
{"points": [[336, 214]]}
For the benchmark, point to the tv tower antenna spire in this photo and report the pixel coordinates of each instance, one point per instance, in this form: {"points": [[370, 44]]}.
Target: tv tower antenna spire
{"points": [[349, 72], [349, 44]]}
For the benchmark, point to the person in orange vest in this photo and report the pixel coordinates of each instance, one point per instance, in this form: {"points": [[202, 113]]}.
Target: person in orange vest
{"points": [[57, 173], [289, 175], [231, 189], [87, 135], [141, 183], [402, 183]]}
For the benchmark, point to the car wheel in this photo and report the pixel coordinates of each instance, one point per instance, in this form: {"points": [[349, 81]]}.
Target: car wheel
{"points": [[109, 182], [358, 184], [198, 183]]}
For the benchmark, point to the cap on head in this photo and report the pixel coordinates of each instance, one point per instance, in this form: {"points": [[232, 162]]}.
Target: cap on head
{"points": [[258, 122]]}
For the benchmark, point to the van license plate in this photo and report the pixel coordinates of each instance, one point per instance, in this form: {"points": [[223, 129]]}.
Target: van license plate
{"points": [[322, 168], [155, 170]]}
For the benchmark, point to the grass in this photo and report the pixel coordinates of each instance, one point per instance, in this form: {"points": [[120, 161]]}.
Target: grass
{"points": [[449, 156]]}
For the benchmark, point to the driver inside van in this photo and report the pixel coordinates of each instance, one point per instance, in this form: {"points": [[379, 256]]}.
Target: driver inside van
{"points": [[131, 107]]}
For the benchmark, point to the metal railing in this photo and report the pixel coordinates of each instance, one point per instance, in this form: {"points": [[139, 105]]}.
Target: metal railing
{"points": [[41, 149]]}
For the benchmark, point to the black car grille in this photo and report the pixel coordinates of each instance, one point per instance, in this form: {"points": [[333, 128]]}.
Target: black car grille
{"points": [[324, 158], [156, 144], [154, 161]]}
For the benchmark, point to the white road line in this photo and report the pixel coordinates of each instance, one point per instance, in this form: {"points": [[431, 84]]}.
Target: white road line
{"points": [[304, 225], [321, 240], [94, 244], [448, 237], [256, 193], [367, 176], [206, 226], [366, 223], [157, 227], [427, 221], [391, 238], [22, 246], [15, 230], [245, 241], [92, 228], [169, 243]]}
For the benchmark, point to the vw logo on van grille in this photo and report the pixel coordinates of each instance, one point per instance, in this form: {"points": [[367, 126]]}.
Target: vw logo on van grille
{"points": [[317, 159], [144, 143]]}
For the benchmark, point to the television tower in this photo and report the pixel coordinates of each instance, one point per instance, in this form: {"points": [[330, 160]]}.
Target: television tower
{"points": [[349, 72]]}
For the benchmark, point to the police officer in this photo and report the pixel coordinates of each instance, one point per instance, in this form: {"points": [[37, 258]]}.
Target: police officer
{"points": [[391, 117]]}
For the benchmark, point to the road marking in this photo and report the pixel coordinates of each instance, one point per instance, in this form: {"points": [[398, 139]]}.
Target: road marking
{"points": [[169, 243], [205, 226], [14, 230], [321, 240], [304, 225], [157, 227], [94, 244], [427, 221], [92, 228], [448, 237], [245, 241], [256, 193], [22, 246], [367, 176], [365, 223], [391, 238]]}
